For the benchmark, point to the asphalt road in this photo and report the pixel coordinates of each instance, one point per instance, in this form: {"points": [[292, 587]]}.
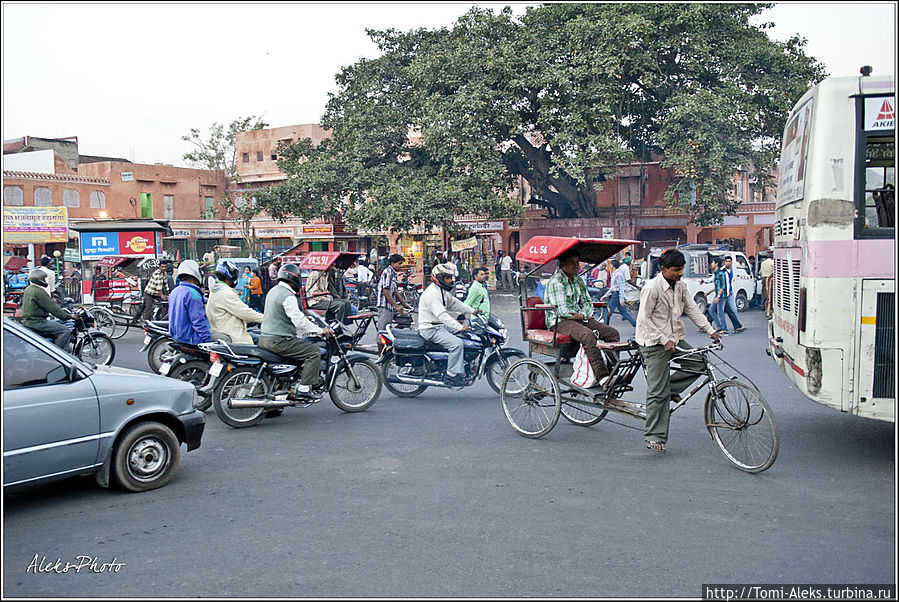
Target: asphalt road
{"points": [[437, 496]]}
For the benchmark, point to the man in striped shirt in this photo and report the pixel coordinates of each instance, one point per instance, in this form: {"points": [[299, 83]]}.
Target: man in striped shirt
{"points": [[156, 290]]}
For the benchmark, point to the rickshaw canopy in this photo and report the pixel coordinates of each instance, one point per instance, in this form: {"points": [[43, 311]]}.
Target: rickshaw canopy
{"points": [[322, 260], [541, 250]]}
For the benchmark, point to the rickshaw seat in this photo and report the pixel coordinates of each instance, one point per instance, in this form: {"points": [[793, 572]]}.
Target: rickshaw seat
{"points": [[535, 325]]}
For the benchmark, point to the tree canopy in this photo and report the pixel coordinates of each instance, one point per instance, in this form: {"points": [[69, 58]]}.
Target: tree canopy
{"points": [[445, 121]]}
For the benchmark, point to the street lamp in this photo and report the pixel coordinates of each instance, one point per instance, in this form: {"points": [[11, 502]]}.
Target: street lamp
{"points": [[56, 254]]}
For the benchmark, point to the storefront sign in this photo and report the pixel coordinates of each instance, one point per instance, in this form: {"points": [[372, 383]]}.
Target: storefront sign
{"points": [[209, 233], [71, 255], [464, 244], [317, 229], [608, 232], [274, 232], [233, 233], [97, 245], [495, 226], [127, 176], [35, 224], [176, 233]]}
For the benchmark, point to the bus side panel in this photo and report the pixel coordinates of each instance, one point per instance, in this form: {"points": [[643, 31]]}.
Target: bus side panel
{"points": [[875, 397]]}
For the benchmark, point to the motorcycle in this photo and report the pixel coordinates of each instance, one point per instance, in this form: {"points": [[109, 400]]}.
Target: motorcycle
{"points": [[87, 345], [411, 292], [247, 382], [410, 364], [190, 363], [157, 343]]}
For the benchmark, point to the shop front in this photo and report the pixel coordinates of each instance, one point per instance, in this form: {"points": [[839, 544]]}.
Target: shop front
{"points": [[483, 251], [325, 237]]}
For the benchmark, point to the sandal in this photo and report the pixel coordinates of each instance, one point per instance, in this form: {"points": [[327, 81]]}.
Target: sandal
{"points": [[655, 446]]}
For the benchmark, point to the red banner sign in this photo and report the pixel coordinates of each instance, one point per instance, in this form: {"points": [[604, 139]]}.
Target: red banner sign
{"points": [[137, 243]]}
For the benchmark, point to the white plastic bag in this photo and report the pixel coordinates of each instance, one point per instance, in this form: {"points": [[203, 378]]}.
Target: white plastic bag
{"points": [[583, 372]]}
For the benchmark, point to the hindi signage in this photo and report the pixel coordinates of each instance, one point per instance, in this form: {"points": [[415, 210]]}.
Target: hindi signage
{"points": [[97, 245], [492, 226], [464, 244], [35, 224], [317, 230]]}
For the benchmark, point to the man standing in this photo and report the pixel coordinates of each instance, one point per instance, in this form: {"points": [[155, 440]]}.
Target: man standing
{"points": [[727, 303], [273, 268], [282, 326], [766, 271], [157, 288], [620, 276], [659, 331], [498, 270], [390, 300], [37, 305], [506, 265], [364, 277], [51, 275], [574, 313], [478, 297]]}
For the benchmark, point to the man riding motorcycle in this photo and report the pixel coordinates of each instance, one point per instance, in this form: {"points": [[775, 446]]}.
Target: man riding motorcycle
{"points": [[282, 325], [227, 314], [37, 305], [436, 323]]}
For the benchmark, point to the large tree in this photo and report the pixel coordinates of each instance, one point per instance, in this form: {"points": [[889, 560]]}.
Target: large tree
{"points": [[558, 96], [217, 150]]}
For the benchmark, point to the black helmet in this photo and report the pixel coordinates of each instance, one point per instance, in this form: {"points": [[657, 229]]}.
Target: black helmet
{"points": [[227, 270], [290, 273], [38, 277]]}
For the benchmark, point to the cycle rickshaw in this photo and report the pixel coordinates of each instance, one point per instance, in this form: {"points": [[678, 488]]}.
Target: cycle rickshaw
{"points": [[536, 392]]}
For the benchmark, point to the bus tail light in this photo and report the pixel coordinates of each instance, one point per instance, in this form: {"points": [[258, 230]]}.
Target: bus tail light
{"points": [[802, 309]]}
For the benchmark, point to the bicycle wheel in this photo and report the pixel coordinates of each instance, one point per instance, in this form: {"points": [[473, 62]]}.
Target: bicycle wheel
{"points": [[531, 398], [105, 322], [582, 412], [731, 410]]}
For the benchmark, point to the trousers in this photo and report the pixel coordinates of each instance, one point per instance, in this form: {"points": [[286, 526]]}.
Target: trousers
{"points": [[662, 384], [585, 333], [297, 349], [455, 364], [60, 334]]}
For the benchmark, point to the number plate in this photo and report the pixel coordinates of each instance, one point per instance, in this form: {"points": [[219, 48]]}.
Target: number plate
{"points": [[147, 339], [164, 369], [215, 369]]}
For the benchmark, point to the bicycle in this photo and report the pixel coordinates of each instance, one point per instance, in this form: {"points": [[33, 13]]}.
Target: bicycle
{"points": [[124, 320]]}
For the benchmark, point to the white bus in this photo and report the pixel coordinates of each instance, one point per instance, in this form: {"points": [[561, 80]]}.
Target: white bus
{"points": [[832, 331]]}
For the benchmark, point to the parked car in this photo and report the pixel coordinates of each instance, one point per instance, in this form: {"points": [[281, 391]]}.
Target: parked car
{"points": [[700, 281], [63, 417]]}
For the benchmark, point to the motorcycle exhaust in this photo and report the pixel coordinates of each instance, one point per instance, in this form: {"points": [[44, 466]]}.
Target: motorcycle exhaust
{"points": [[266, 404], [410, 380]]}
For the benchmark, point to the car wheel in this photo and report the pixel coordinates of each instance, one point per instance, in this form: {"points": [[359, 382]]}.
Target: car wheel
{"points": [[741, 302], [146, 456], [701, 302]]}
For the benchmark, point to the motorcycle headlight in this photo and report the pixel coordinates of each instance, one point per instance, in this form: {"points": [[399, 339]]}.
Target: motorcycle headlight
{"points": [[504, 332]]}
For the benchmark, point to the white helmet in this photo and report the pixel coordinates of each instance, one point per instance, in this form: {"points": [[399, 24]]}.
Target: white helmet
{"points": [[189, 267]]}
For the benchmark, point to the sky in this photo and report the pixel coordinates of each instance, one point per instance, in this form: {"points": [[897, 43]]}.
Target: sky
{"points": [[130, 79]]}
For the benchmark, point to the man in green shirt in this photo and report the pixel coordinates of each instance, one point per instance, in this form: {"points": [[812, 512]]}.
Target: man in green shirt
{"points": [[478, 297], [574, 313], [37, 307]]}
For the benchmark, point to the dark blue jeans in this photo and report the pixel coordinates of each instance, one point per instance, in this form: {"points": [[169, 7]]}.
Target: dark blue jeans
{"points": [[615, 305]]}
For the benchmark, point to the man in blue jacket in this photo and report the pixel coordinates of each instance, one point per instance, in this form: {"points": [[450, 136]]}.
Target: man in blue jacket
{"points": [[187, 312]]}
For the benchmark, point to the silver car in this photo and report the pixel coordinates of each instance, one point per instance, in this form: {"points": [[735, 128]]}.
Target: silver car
{"points": [[63, 417]]}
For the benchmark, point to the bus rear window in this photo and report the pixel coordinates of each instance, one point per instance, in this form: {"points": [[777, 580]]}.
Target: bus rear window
{"points": [[880, 182]]}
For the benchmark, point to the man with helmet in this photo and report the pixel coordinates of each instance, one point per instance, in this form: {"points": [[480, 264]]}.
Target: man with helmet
{"points": [[436, 322], [187, 312], [284, 323], [37, 305], [227, 314]]}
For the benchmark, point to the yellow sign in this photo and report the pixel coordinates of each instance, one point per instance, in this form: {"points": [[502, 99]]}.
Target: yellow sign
{"points": [[35, 224], [464, 244]]}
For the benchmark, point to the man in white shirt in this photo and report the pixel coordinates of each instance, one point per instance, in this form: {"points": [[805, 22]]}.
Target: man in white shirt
{"points": [[437, 309], [505, 264], [364, 277], [51, 275], [659, 330]]}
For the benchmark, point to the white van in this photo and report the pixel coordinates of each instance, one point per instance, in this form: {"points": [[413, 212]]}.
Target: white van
{"points": [[699, 279]]}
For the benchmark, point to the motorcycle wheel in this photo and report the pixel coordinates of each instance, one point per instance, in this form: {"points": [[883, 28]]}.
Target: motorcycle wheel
{"points": [[352, 397], [194, 372], [238, 384], [398, 389], [97, 348], [158, 349], [497, 366]]}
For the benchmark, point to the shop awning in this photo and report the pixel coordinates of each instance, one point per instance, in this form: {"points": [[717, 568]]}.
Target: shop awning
{"points": [[111, 262], [14, 262]]}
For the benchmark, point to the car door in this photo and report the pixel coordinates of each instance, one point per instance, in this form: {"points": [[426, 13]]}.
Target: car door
{"points": [[50, 421], [743, 278]]}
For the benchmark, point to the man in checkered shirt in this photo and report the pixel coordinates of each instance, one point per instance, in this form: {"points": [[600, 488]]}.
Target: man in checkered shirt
{"points": [[156, 290]]}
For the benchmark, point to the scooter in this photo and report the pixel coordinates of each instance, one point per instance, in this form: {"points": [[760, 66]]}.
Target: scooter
{"points": [[410, 364]]}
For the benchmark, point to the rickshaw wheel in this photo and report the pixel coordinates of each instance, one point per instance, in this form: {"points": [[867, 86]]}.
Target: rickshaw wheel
{"points": [[531, 398], [741, 423], [581, 412]]}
